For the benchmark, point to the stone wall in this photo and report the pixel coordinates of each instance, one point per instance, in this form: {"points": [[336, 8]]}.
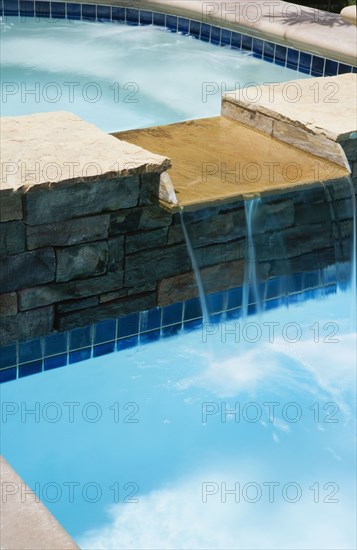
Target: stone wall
{"points": [[108, 254]]}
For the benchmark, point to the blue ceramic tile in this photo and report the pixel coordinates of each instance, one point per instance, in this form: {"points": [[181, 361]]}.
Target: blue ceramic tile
{"points": [[215, 35], [132, 16], [183, 25], [171, 22], [194, 324], [103, 13], [273, 288], [8, 356], [55, 362], [354, 70], [159, 19], [215, 302], [280, 54], [342, 68], [331, 67], [30, 350], [27, 8], [311, 279], [126, 343], [80, 355], [128, 326], [258, 47], [55, 343], [150, 336], [171, 330], [80, 338], [118, 14], [150, 320], [236, 40], [269, 51], [103, 349], [226, 37], [292, 58], [89, 12], [246, 42], [58, 10], [73, 11], [11, 7], [272, 304], [234, 298], [105, 331], [145, 17], [30, 368], [195, 29], [205, 32], [7, 375], [233, 314], [192, 309], [172, 314], [42, 9], [305, 62], [317, 66]]}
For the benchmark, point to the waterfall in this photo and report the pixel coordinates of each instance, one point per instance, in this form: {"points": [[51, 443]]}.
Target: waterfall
{"points": [[353, 255], [250, 268], [196, 271]]}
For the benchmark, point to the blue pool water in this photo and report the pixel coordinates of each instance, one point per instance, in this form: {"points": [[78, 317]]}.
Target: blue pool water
{"points": [[118, 76], [137, 449]]}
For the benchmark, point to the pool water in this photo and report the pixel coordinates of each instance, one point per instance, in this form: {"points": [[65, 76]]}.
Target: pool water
{"points": [[119, 76], [138, 449]]}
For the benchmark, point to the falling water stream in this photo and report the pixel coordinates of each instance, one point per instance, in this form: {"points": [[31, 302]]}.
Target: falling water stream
{"points": [[250, 267], [196, 270]]}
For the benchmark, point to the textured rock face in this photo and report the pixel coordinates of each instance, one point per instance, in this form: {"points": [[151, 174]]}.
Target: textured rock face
{"points": [[311, 114], [60, 147]]}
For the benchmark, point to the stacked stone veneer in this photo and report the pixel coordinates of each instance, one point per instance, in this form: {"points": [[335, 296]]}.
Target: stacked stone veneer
{"points": [[103, 251]]}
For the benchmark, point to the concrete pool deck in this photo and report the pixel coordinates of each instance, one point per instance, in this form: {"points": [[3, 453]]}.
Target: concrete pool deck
{"points": [[25, 522], [287, 24]]}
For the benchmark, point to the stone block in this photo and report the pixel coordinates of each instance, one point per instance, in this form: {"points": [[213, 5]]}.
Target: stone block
{"points": [[74, 200], [68, 232], [79, 262], [218, 229], [149, 188], [27, 269], [220, 253], [109, 310], [10, 206], [214, 279], [12, 238], [30, 298], [145, 239], [25, 325], [115, 254], [155, 264], [134, 219], [8, 304], [74, 305]]}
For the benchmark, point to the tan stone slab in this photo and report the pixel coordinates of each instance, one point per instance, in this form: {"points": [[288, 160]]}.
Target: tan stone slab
{"points": [[312, 114], [219, 160], [300, 27], [48, 148], [25, 521]]}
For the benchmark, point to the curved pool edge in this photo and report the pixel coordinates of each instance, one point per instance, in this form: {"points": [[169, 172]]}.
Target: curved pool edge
{"points": [[290, 25]]}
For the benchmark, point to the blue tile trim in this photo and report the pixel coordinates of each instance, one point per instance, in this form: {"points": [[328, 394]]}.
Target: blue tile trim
{"points": [[263, 49], [61, 349]]}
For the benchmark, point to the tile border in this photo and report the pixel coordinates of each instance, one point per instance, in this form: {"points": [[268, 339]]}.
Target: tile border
{"points": [[299, 60], [60, 349]]}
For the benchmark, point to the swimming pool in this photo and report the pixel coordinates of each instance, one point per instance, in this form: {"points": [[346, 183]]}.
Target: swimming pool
{"points": [[234, 435], [119, 76]]}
